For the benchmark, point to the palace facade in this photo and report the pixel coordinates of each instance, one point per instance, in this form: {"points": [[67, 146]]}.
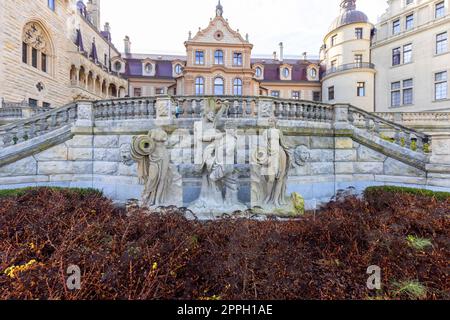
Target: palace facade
{"points": [[55, 52]]}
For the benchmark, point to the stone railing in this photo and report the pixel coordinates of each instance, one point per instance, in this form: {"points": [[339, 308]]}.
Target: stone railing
{"points": [[403, 136], [125, 109], [417, 118], [37, 125], [192, 107]]}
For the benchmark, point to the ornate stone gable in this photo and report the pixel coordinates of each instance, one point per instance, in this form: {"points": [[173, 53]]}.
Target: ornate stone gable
{"points": [[219, 31]]}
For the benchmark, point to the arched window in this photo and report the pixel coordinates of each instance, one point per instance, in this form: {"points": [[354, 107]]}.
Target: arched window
{"points": [[219, 88], [148, 68], [199, 86], [258, 72], [36, 47], [178, 69], [286, 72], [218, 57], [117, 66], [237, 87]]}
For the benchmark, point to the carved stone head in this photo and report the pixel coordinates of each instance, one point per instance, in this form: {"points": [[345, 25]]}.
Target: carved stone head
{"points": [[302, 155], [125, 154]]}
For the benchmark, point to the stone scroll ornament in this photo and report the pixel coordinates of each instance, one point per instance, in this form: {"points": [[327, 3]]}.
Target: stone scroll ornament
{"points": [[219, 189], [161, 180], [271, 161]]}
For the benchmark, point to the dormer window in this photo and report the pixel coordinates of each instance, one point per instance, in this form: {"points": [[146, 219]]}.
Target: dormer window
{"points": [[286, 72], [117, 66], [313, 73], [148, 68], [178, 69], [258, 72]]}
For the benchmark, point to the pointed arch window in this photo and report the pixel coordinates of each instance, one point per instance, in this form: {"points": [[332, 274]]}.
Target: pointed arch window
{"points": [[237, 87], [199, 86], [219, 86], [36, 49]]}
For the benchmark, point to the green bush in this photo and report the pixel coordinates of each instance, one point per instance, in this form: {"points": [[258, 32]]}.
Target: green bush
{"points": [[23, 191], [419, 192]]}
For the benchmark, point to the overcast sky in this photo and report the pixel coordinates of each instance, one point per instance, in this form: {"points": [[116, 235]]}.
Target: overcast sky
{"points": [[156, 26]]}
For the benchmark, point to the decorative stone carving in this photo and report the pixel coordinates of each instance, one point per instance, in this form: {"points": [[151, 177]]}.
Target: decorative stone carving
{"points": [[35, 36], [219, 189], [301, 155], [125, 154], [163, 185], [270, 164]]}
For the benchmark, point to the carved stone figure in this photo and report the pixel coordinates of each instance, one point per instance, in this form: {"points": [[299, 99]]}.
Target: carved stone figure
{"points": [[161, 179], [301, 155], [219, 190], [270, 164]]}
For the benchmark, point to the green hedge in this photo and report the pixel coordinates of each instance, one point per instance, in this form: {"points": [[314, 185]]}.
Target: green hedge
{"points": [[22, 191], [414, 191]]}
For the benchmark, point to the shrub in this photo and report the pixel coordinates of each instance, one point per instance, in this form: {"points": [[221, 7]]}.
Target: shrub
{"points": [[376, 191]]}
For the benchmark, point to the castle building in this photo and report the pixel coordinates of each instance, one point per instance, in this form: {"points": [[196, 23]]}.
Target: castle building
{"points": [[219, 61], [53, 52], [401, 64]]}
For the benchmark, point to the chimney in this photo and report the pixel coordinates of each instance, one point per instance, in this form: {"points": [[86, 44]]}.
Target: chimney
{"points": [[127, 46], [281, 52], [275, 55], [107, 27], [305, 56]]}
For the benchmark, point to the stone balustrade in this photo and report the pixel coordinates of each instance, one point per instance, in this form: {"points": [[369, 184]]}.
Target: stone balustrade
{"points": [[422, 120], [125, 109], [403, 136], [37, 125]]}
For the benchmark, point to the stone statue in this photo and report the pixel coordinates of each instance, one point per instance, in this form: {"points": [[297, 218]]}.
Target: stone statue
{"points": [[163, 186], [219, 189], [125, 154], [270, 164]]}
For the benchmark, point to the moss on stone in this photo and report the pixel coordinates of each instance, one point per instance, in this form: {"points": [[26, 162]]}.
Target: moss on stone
{"points": [[299, 203]]}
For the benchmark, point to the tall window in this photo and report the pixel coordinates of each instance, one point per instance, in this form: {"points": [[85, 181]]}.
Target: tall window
{"points": [[334, 40], [396, 26], [408, 2], [44, 62], [358, 59], [440, 10], [396, 56], [34, 57], [441, 43], [407, 53], [218, 57], [359, 33], [409, 22], [24, 52], [440, 86], [396, 94], [137, 92], [199, 57], [51, 4], [219, 88], [361, 89], [333, 65], [331, 93], [408, 92], [199, 86], [237, 87], [316, 96], [296, 95], [237, 59]]}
